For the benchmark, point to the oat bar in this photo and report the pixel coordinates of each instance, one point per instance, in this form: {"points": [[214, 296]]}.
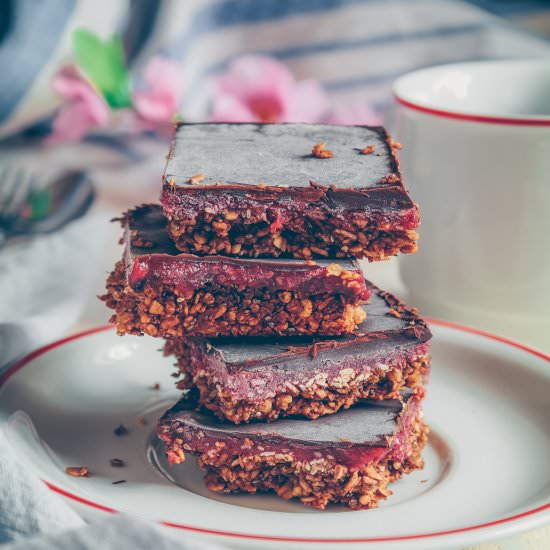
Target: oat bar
{"points": [[290, 190], [348, 458], [160, 291]]}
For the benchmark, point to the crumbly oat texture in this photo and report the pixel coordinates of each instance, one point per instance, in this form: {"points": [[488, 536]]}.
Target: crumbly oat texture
{"points": [[246, 235], [317, 484], [167, 311], [359, 481]]}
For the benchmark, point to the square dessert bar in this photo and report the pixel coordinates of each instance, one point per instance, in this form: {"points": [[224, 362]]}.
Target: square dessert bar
{"points": [[158, 290], [290, 190], [244, 379], [348, 458]]}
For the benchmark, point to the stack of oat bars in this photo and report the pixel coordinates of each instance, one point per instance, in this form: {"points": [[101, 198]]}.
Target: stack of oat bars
{"points": [[298, 376]]}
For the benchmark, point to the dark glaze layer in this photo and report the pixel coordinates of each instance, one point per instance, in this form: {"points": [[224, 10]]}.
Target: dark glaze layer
{"points": [[273, 164], [367, 424]]}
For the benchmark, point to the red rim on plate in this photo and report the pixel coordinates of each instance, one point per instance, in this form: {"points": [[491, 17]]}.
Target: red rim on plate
{"points": [[487, 119], [41, 351]]}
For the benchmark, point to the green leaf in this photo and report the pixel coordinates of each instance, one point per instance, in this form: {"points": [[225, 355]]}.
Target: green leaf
{"points": [[39, 202], [103, 64]]}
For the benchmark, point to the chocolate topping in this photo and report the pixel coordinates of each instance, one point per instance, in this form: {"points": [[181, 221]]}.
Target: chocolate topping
{"points": [[273, 162], [369, 424]]}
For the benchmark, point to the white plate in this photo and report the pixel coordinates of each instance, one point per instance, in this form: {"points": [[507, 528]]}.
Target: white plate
{"points": [[487, 469]]}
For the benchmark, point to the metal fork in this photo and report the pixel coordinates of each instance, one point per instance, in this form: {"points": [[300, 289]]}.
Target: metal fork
{"points": [[69, 196], [15, 185]]}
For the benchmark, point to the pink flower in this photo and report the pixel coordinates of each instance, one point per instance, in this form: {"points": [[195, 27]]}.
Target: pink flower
{"points": [[84, 108], [354, 113], [159, 101], [261, 89]]}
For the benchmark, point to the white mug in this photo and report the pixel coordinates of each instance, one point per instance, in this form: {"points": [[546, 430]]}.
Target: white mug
{"points": [[476, 157]]}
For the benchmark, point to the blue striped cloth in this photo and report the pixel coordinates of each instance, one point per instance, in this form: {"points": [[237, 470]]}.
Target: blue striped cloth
{"points": [[356, 48]]}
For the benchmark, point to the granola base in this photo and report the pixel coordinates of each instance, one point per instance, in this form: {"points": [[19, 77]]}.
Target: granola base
{"points": [[315, 400], [256, 235], [166, 311], [315, 483]]}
